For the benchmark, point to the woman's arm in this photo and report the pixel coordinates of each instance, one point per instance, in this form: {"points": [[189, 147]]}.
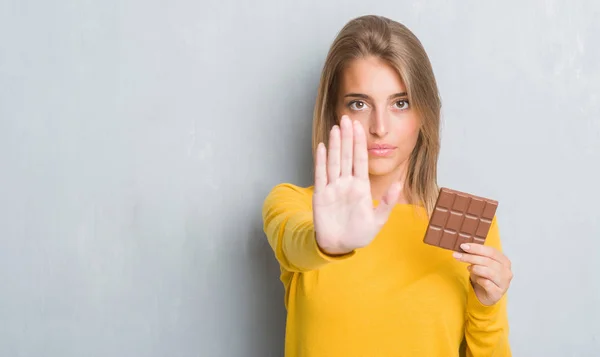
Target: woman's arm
{"points": [[288, 224], [487, 327]]}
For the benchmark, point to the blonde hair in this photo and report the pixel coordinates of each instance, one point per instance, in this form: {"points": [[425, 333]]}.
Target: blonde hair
{"points": [[393, 42]]}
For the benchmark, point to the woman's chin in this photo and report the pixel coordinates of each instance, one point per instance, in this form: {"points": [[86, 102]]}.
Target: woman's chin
{"points": [[381, 168]]}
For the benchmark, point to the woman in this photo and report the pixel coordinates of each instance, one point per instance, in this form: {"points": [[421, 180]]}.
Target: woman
{"points": [[359, 281]]}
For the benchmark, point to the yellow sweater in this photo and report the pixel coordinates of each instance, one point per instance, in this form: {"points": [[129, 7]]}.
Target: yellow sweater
{"points": [[396, 297]]}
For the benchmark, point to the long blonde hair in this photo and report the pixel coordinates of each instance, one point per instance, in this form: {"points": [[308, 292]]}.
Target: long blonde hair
{"points": [[393, 42]]}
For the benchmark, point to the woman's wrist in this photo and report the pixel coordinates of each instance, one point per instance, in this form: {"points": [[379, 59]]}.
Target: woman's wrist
{"points": [[332, 249]]}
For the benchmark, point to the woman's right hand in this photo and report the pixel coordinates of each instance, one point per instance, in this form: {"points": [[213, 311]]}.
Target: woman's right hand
{"points": [[344, 216]]}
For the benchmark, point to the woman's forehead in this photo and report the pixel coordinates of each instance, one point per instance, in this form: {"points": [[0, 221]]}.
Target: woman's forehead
{"points": [[371, 76]]}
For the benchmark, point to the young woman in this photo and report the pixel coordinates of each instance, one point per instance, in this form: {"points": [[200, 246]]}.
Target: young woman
{"points": [[359, 281]]}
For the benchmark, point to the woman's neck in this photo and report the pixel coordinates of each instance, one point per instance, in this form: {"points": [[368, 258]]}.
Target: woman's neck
{"points": [[381, 183]]}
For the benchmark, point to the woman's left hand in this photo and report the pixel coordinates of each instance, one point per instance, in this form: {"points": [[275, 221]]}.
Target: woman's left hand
{"points": [[490, 271]]}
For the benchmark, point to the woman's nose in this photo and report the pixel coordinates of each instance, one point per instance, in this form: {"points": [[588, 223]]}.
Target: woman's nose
{"points": [[379, 123]]}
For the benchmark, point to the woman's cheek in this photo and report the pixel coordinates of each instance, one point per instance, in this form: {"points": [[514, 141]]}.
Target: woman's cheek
{"points": [[362, 116], [407, 126]]}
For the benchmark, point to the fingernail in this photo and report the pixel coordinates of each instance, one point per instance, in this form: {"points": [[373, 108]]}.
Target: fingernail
{"points": [[457, 255], [465, 246]]}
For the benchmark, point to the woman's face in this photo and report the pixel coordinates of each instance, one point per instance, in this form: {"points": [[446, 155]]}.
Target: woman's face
{"points": [[372, 92]]}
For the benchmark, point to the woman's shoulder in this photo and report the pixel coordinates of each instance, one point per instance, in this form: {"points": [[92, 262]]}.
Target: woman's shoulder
{"points": [[286, 192], [293, 188]]}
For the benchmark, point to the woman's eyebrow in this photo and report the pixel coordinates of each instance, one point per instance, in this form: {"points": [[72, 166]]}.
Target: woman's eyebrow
{"points": [[364, 96], [358, 95], [401, 94]]}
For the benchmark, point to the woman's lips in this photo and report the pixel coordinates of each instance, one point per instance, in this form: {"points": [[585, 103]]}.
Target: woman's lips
{"points": [[381, 150]]}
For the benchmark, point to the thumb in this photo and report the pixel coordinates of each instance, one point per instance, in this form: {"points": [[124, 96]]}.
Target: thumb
{"points": [[383, 210]]}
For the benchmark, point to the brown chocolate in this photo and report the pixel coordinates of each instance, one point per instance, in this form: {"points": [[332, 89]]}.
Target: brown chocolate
{"points": [[459, 217]]}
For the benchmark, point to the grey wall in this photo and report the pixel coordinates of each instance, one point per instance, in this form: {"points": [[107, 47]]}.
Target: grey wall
{"points": [[139, 138]]}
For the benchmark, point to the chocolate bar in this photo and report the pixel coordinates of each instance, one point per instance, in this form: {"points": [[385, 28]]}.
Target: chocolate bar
{"points": [[458, 218]]}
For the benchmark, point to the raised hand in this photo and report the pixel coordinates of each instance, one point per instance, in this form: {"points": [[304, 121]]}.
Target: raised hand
{"points": [[344, 216]]}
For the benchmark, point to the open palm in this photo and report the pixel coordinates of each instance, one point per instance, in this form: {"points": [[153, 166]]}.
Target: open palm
{"points": [[344, 216]]}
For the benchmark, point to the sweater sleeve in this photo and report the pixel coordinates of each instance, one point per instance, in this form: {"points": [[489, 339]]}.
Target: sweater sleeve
{"points": [[288, 225], [487, 328]]}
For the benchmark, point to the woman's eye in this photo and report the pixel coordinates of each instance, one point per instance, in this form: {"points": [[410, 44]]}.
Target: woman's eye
{"points": [[357, 105], [402, 104]]}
